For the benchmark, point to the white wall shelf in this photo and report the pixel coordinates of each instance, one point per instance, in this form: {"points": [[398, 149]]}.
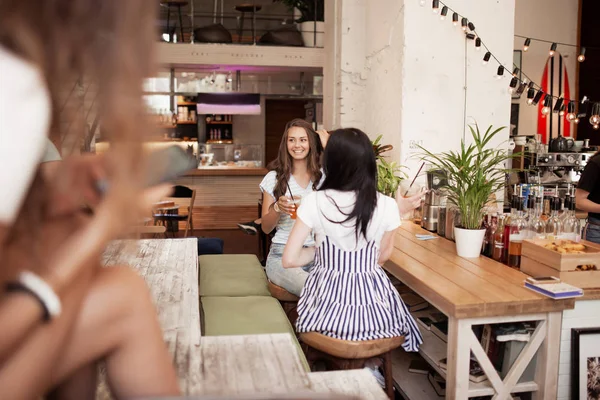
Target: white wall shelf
{"points": [[181, 54]]}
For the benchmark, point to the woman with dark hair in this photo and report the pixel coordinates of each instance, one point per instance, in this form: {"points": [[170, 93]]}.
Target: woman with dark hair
{"points": [[295, 172], [587, 197], [61, 312], [347, 294]]}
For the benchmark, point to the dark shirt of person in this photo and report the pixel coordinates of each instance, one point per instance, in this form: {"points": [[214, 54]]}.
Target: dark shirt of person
{"points": [[590, 181]]}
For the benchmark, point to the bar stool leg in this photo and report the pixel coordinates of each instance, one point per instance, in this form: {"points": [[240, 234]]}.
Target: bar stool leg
{"points": [[241, 30], [180, 23], [253, 33], [387, 373]]}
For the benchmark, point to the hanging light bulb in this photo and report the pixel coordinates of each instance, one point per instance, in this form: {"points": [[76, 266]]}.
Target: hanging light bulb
{"points": [[530, 95], [435, 6], [455, 19], [463, 23], [478, 44], [547, 105], [559, 104], [500, 72], [596, 127], [444, 13], [562, 110], [526, 45], [516, 71], [595, 118], [521, 88], [471, 26], [581, 57], [571, 111], [537, 97], [576, 120], [512, 85], [486, 57], [552, 49]]}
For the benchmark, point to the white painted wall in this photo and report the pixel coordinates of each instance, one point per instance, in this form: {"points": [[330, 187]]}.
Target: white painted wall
{"points": [[401, 72], [584, 315], [554, 20]]}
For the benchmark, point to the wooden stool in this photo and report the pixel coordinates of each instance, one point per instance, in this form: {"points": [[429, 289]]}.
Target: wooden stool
{"points": [[351, 354], [178, 4], [244, 8], [288, 301]]}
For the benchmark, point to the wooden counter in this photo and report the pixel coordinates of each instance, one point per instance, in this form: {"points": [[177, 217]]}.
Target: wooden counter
{"points": [[478, 291], [460, 287], [227, 171]]}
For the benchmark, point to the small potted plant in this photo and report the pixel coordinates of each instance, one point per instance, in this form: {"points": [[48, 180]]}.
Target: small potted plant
{"points": [[474, 173], [389, 174], [312, 13]]}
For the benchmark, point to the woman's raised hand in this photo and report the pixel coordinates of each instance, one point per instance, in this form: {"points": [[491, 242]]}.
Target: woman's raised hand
{"points": [[324, 136], [406, 204]]}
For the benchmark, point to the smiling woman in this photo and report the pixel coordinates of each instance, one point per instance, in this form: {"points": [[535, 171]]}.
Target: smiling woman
{"points": [[294, 174]]}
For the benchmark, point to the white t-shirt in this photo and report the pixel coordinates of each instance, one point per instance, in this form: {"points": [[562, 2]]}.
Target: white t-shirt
{"points": [[318, 210], [285, 224], [24, 123]]}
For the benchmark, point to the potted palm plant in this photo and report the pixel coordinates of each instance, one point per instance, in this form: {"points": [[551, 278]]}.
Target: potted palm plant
{"points": [[389, 174], [474, 174], [311, 21]]}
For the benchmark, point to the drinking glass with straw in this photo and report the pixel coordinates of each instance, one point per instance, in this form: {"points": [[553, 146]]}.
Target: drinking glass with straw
{"points": [[295, 200]]}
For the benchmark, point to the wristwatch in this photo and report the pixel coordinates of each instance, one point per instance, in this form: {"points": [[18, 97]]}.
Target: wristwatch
{"points": [[276, 207]]}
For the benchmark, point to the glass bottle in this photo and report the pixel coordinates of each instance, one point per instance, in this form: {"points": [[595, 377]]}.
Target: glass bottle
{"points": [[565, 210], [498, 253], [517, 234], [571, 226], [529, 216], [537, 224], [507, 222], [490, 235], [553, 225], [484, 225]]}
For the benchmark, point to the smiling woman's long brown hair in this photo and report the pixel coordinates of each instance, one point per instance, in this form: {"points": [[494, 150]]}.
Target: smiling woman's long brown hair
{"points": [[283, 163]]}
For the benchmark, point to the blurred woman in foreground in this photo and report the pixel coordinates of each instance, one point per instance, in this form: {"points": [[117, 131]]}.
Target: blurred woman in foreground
{"points": [[60, 311]]}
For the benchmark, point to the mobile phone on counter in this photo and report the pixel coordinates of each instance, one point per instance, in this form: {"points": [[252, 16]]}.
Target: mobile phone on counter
{"points": [[542, 279], [163, 166]]}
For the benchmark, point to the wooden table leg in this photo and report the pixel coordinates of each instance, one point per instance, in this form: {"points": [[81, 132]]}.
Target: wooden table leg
{"points": [[546, 373], [459, 351]]}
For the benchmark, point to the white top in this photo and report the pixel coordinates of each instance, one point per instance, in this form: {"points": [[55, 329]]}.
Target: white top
{"points": [[285, 224], [317, 210], [24, 123]]}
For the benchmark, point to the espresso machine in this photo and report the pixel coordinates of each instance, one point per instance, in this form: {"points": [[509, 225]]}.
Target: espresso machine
{"points": [[436, 180]]}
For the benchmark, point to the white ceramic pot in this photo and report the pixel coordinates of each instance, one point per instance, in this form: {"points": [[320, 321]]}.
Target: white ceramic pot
{"points": [[468, 242], [307, 29]]}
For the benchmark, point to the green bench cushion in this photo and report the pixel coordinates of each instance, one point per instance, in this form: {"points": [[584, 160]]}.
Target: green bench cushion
{"points": [[232, 275], [252, 315]]}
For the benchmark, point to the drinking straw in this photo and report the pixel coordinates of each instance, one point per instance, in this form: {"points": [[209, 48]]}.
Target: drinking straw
{"points": [[415, 178]]}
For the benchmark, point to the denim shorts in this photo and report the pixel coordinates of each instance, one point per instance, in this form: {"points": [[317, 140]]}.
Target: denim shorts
{"points": [[592, 230], [291, 279]]}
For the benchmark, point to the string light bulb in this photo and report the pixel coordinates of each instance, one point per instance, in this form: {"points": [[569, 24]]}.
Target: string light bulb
{"points": [[500, 72], [596, 127], [435, 6], [526, 45], [552, 49], [463, 23], [229, 77], [537, 97], [512, 85], [581, 57], [477, 44], [562, 110], [595, 118], [530, 95], [576, 120], [443, 13], [559, 104], [471, 26], [486, 57], [516, 71], [455, 19], [547, 105], [571, 111]]}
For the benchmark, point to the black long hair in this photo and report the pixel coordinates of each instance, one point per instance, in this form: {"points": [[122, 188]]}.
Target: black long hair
{"points": [[349, 165]]}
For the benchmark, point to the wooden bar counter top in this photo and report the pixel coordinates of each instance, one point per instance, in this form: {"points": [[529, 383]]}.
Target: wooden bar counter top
{"points": [[227, 171], [461, 287]]}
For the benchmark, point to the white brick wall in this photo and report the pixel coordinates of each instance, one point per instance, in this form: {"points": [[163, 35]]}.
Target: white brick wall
{"points": [[586, 314]]}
